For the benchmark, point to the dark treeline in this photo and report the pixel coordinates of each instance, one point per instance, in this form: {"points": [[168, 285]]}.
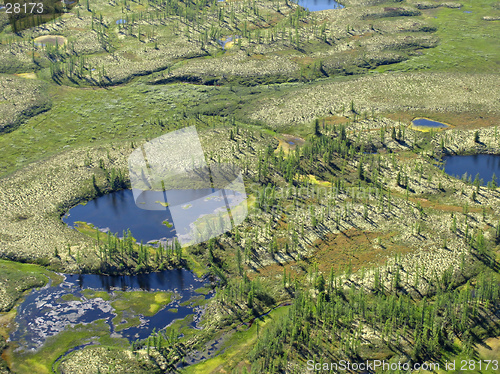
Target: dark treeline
{"points": [[334, 324], [125, 253]]}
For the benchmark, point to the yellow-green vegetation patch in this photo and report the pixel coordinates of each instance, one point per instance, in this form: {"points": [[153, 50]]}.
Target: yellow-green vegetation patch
{"points": [[237, 346], [41, 361], [194, 301], [132, 303], [31, 75], [183, 326], [203, 290], [173, 310], [93, 294], [86, 228], [68, 297], [467, 42], [16, 278], [314, 180], [161, 203], [198, 269], [490, 350], [141, 302], [167, 223], [122, 324], [5, 323]]}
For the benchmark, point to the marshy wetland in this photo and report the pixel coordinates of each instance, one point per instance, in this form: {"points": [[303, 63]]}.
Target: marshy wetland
{"points": [[363, 239], [132, 306]]}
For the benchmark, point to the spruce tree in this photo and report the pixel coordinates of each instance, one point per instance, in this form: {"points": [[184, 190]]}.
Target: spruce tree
{"points": [[316, 128]]}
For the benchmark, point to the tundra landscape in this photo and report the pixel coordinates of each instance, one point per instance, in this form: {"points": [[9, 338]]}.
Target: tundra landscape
{"points": [[367, 136]]}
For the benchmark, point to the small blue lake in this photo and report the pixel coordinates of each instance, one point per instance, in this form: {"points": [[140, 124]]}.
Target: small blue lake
{"points": [[224, 42], [121, 21], [484, 165], [424, 122], [316, 5]]}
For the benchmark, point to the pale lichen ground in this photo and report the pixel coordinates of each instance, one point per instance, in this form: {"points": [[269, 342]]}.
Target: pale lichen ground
{"points": [[19, 99], [439, 92]]}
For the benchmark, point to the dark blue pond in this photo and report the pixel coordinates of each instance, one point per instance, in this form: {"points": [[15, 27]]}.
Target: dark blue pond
{"points": [[121, 21], [423, 122], [484, 165], [44, 313], [119, 211], [315, 5]]}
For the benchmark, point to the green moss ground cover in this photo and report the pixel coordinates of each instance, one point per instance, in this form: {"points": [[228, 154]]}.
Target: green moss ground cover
{"points": [[137, 302], [16, 278], [468, 43], [42, 360], [237, 347]]}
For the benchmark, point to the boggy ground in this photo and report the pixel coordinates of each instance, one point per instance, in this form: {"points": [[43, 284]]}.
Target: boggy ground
{"points": [[425, 236], [410, 239], [279, 42]]}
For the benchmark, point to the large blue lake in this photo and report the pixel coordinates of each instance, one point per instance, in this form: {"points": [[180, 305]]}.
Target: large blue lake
{"points": [[484, 165], [147, 216]]}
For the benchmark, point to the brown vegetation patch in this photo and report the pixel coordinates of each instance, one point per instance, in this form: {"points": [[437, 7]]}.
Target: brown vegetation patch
{"points": [[357, 37], [52, 40], [355, 247], [257, 57], [304, 61], [7, 357], [131, 56], [284, 143], [336, 120], [442, 207]]}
